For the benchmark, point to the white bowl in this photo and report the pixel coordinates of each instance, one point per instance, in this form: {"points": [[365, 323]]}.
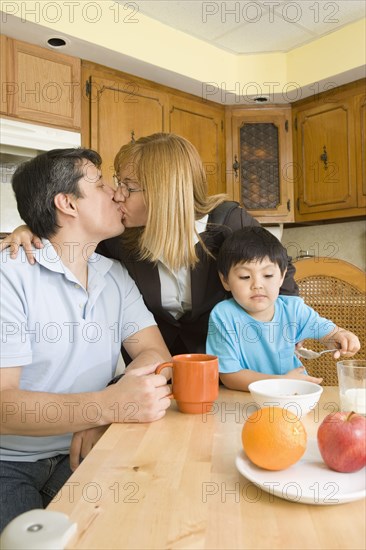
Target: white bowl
{"points": [[298, 396]]}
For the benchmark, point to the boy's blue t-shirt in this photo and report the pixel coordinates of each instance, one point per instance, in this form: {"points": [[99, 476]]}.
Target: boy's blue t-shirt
{"points": [[242, 342]]}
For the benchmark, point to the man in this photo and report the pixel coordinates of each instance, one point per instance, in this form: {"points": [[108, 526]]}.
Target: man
{"points": [[62, 322]]}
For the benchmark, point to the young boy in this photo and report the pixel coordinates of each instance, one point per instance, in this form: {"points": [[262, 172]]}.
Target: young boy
{"points": [[255, 332]]}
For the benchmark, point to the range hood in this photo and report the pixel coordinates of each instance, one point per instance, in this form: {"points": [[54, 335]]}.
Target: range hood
{"points": [[20, 141]]}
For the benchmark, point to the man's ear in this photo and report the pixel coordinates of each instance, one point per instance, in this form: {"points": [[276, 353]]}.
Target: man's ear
{"points": [[66, 204], [224, 282]]}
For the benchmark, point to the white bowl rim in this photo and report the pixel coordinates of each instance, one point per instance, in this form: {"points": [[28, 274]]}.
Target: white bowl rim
{"points": [[317, 389]]}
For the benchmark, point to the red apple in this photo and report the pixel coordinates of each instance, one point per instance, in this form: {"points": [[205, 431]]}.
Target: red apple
{"points": [[342, 441]]}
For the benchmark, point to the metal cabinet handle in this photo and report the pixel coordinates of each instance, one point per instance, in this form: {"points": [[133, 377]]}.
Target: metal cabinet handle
{"points": [[236, 166], [324, 157]]}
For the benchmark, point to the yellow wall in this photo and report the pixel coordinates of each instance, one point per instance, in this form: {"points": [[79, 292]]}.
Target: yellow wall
{"points": [[146, 40], [330, 55]]}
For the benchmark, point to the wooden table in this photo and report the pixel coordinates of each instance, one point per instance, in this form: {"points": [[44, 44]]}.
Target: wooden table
{"points": [[173, 484]]}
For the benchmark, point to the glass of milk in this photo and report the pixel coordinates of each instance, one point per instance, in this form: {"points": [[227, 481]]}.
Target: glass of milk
{"points": [[352, 385]]}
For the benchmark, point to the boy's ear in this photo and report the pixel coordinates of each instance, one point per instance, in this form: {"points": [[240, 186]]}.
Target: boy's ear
{"points": [[224, 282], [65, 203]]}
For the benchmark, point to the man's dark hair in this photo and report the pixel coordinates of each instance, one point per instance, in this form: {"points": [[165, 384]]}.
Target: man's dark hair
{"points": [[37, 182], [251, 244]]}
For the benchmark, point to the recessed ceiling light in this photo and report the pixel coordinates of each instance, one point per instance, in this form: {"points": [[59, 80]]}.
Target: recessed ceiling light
{"points": [[261, 99], [56, 42]]}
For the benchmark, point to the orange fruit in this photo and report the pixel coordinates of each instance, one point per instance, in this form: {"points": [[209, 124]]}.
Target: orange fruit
{"points": [[274, 438]]}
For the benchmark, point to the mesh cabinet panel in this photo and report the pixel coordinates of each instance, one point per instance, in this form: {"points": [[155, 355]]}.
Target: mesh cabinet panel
{"points": [[259, 166]]}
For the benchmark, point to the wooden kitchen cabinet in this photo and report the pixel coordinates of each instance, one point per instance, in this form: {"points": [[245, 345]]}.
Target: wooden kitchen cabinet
{"points": [[119, 107], [360, 135], [3, 75], [328, 145], [259, 161], [43, 85], [326, 163], [120, 111], [202, 125]]}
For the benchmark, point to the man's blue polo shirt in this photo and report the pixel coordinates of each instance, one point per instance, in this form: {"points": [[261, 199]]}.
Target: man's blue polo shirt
{"points": [[66, 338]]}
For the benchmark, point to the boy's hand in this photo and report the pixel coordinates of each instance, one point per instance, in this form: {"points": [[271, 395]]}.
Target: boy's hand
{"points": [[299, 374], [346, 341], [349, 343]]}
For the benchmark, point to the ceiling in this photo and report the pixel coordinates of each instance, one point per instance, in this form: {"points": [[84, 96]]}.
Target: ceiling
{"points": [[249, 27]]}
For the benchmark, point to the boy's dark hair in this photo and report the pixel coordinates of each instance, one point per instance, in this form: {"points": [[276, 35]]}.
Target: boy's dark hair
{"points": [[37, 182], [251, 244]]}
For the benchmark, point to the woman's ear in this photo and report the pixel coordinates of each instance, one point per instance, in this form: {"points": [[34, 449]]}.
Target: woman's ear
{"points": [[224, 282], [283, 276], [65, 204]]}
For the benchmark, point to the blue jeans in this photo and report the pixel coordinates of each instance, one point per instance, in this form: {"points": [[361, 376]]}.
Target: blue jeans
{"points": [[28, 485]]}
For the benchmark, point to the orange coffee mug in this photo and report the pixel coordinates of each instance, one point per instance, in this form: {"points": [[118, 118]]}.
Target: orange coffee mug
{"points": [[195, 384]]}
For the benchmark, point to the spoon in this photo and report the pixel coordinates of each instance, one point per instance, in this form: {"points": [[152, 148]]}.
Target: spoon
{"points": [[310, 354]]}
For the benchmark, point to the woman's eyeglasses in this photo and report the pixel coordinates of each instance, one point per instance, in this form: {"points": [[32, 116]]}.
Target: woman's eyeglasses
{"points": [[126, 191]]}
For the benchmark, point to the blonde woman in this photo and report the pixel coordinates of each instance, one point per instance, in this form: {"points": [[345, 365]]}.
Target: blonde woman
{"points": [[174, 230]]}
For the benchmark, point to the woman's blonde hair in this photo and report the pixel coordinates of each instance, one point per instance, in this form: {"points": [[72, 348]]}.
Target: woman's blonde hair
{"points": [[170, 170]]}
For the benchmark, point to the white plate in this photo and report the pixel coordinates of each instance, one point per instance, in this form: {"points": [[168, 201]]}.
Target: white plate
{"points": [[309, 480]]}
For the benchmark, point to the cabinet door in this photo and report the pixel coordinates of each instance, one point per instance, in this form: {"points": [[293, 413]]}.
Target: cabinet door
{"points": [[326, 165], [121, 111], [360, 133], [47, 86], [203, 126], [261, 152], [4, 83]]}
